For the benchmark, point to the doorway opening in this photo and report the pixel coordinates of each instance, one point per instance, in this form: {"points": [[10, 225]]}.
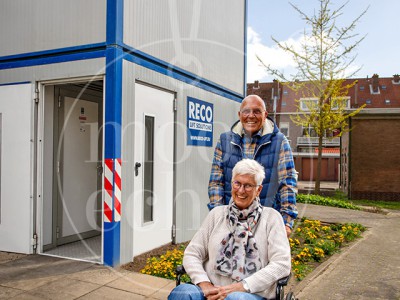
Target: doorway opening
{"points": [[72, 160]]}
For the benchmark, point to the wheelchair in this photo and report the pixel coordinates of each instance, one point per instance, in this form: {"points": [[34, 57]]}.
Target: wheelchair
{"points": [[279, 293]]}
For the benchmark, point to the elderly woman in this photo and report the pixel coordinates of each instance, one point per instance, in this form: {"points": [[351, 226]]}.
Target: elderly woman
{"points": [[241, 249]]}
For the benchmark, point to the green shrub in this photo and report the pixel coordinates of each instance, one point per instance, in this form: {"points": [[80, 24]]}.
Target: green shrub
{"points": [[326, 201]]}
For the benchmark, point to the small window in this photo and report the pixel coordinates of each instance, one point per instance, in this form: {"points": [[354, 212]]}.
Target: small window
{"points": [[368, 101], [148, 192], [383, 87], [283, 103], [387, 101], [284, 128], [285, 92], [361, 87]]}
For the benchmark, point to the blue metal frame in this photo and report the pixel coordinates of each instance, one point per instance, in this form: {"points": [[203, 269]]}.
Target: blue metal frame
{"points": [[113, 118]]}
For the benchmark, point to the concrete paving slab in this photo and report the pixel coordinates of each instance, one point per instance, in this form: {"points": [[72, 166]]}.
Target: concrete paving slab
{"points": [[28, 296], [29, 281], [368, 269], [64, 288], [141, 284], [9, 256], [7, 293], [108, 293], [96, 274], [163, 293]]}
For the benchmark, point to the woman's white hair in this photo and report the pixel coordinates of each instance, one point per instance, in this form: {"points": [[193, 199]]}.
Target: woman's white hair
{"points": [[249, 167]]}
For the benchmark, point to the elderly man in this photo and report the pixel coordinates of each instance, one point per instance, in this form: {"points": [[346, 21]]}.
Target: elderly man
{"points": [[256, 136]]}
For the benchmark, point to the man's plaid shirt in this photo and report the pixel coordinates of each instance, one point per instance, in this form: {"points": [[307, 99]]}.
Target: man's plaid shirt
{"points": [[287, 177]]}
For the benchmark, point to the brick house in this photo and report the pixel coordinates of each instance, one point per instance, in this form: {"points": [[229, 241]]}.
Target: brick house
{"points": [[382, 99]]}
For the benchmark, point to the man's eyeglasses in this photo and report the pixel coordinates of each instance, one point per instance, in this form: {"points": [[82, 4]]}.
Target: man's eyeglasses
{"points": [[247, 187], [257, 112]]}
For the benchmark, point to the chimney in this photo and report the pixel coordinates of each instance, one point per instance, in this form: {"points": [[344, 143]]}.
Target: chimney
{"points": [[356, 94], [275, 88], [375, 83], [396, 78], [256, 84]]}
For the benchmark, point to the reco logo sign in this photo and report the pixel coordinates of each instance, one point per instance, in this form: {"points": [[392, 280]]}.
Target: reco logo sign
{"points": [[200, 112], [199, 122]]}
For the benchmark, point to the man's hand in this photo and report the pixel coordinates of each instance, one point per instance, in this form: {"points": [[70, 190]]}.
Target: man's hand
{"points": [[288, 231]]}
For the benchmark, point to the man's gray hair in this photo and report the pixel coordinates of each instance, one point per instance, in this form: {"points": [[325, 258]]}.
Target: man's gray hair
{"points": [[249, 167]]}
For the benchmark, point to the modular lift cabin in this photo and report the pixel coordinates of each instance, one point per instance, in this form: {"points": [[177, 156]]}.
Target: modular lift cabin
{"points": [[109, 113]]}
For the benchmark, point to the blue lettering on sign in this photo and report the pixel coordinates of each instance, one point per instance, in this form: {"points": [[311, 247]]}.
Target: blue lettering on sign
{"points": [[200, 117]]}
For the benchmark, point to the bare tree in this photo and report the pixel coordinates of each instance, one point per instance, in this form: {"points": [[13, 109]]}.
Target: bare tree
{"points": [[323, 63]]}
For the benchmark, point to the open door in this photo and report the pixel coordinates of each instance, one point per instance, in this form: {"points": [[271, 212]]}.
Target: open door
{"points": [[78, 168], [73, 139]]}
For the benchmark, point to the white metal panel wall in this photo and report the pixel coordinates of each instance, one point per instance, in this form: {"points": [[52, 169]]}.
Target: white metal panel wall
{"points": [[29, 26], [128, 163], [16, 167], [204, 37], [193, 163]]}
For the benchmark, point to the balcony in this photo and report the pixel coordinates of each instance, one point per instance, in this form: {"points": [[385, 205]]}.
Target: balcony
{"points": [[313, 141]]}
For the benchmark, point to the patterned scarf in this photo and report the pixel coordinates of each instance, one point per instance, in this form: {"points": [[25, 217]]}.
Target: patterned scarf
{"points": [[238, 256]]}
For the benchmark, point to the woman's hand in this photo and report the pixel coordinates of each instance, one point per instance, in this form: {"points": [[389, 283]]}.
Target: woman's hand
{"points": [[209, 290], [220, 292]]}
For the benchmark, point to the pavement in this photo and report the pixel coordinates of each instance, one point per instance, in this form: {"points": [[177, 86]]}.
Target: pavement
{"points": [[368, 269]]}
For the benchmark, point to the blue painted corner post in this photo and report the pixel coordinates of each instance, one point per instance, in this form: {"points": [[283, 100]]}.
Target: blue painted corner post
{"points": [[112, 154], [112, 133]]}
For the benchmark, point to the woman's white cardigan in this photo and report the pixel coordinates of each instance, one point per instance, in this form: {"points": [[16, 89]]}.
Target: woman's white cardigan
{"points": [[270, 234]]}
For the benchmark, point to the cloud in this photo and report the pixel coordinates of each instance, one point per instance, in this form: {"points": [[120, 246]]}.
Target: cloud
{"points": [[277, 58]]}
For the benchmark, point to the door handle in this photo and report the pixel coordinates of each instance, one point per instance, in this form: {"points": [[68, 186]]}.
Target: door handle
{"points": [[137, 166]]}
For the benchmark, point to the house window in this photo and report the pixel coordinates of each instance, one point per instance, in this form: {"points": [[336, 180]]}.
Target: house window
{"points": [[284, 128], [311, 103], [361, 87], [387, 101], [383, 87], [308, 103], [283, 103], [309, 131], [368, 101], [285, 92]]}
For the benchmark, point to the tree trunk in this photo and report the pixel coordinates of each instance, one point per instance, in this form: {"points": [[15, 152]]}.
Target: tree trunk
{"points": [[317, 186]]}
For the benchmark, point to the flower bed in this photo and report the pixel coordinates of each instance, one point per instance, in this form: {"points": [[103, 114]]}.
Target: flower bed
{"points": [[311, 243]]}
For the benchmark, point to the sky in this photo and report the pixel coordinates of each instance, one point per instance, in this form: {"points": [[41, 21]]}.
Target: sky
{"points": [[378, 53]]}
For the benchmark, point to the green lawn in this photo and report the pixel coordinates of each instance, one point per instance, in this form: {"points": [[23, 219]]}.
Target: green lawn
{"points": [[340, 200], [381, 204]]}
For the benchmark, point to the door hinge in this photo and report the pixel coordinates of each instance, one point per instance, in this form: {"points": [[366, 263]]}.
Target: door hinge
{"points": [[57, 232], [175, 105], [59, 101], [34, 242], [58, 167], [173, 231], [36, 99]]}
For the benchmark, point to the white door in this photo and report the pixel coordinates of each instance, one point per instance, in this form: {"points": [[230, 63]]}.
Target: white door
{"points": [[16, 199], [79, 176], [153, 183]]}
